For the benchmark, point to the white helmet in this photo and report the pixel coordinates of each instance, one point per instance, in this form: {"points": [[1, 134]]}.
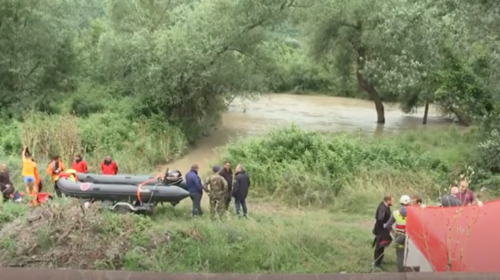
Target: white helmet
{"points": [[405, 200]]}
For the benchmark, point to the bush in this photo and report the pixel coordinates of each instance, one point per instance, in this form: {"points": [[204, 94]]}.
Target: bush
{"points": [[311, 168], [136, 146]]}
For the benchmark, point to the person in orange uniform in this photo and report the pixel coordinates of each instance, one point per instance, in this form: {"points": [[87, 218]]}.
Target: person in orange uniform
{"points": [[78, 164], [109, 167], [30, 176], [55, 167]]}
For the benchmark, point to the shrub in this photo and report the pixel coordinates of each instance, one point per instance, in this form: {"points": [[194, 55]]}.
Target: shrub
{"points": [[309, 167], [136, 146]]}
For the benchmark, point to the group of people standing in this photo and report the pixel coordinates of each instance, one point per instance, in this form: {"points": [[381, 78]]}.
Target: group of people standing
{"points": [[221, 187], [389, 224], [55, 169]]}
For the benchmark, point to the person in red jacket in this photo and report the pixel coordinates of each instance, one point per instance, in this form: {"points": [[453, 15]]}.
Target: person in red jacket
{"points": [[79, 165], [109, 167]]}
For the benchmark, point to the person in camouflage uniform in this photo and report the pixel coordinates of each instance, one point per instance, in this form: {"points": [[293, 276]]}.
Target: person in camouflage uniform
{"points": [[216, 187]]}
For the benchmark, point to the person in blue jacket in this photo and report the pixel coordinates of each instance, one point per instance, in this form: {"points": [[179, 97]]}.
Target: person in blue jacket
{"points": [[195, 189]]}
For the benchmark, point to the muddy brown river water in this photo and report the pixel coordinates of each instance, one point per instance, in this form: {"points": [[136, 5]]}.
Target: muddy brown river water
{"points": [[321, 113]]}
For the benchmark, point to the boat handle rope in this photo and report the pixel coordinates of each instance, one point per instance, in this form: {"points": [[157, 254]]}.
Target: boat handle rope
{"points": [[152, 194], [140, 186]]}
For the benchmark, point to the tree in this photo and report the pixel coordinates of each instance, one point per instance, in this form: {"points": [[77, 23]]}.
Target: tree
{"points": [[183, 59], [36, 55], [350, 31]]}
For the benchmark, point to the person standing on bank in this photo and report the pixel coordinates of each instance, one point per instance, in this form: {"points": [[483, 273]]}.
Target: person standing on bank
{"points": [[466, 196], [109, 166], [240, 190], [79, 164], [55, 167], [216, 188], [382, 235], [195, 189], [5, 183], [398, 218], [227, 174], [451, 200]]}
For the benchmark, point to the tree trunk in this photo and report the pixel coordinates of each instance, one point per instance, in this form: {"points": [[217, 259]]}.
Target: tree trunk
{"points": [[372, 92], [426, 113], [368, 87]]}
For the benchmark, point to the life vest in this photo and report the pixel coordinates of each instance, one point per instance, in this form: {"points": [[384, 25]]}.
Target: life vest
{"points": [[400, 221], [70, 175]]}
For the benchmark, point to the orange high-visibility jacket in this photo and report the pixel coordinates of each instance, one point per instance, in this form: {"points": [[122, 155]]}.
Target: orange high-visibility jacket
{"points": [[50, 170]]}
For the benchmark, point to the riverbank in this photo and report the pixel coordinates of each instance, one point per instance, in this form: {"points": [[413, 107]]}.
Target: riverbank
{"points": [[282, 215], [274, 239]]}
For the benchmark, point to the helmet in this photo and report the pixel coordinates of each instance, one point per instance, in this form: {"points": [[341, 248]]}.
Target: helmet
{"points": [[71, 171], [405, 200]]}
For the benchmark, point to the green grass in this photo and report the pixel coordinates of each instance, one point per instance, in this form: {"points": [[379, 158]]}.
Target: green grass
{"points": [[273, 239], [308, 214]]}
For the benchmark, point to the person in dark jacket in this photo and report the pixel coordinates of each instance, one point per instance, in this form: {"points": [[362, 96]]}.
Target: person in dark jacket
{"points": [[5, 184], [382, 235], [451, 200], [240, 190], [109, 166], [227, 174], [195, 189]]}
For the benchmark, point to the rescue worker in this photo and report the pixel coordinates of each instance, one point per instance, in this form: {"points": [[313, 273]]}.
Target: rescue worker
{"points": [[55, 167], [216, 187], [79, 164], [398, 219], [382, 235], [109, 166]]}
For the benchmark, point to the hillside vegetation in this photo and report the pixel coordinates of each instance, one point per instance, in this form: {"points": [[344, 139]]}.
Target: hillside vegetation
{"points": [[143, 80], [332, 188]]}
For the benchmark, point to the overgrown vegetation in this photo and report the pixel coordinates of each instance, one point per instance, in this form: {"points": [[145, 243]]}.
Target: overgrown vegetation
{"points": [[181, 60], [141, 80], [324, 181], [138, 146], [345, 170], [60, 235]]}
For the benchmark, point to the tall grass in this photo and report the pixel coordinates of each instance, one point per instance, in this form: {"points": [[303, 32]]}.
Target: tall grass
{"points": [[136, 146], [294, 173], [309, 168], [263, 243]]}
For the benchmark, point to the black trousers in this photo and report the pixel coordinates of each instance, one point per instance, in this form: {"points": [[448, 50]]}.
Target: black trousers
{"points": [[378, 255], [379, 243], [58, 191], [228, 197]]}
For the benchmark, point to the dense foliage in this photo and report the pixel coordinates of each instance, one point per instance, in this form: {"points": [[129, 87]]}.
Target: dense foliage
{"points": [[310, 168], [179, 63]]}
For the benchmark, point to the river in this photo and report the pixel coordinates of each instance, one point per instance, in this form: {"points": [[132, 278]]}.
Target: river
{"points": [[321, 113]]}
